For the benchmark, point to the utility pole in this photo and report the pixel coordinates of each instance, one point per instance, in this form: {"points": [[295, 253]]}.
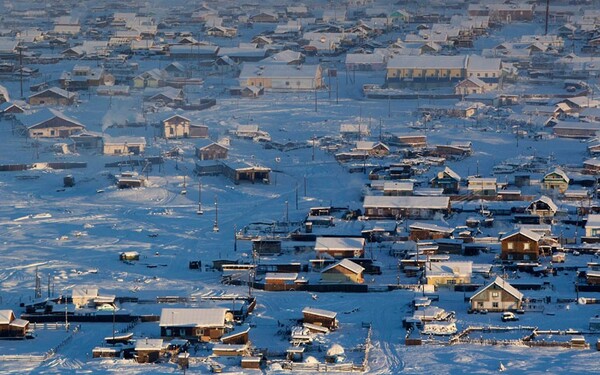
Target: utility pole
{"points": [[547, 16], [38, 284], [199, 211], [234, 238], [216, 225], [21, 69]]}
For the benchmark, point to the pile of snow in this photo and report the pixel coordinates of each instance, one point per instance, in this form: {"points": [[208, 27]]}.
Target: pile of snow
{"points": [[335, 350]]}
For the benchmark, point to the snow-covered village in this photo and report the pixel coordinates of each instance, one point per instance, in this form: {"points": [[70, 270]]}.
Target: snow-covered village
{"points": [[267, 187]]}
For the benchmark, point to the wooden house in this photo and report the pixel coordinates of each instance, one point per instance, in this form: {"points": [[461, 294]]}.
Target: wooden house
{"points": [[486, 70], [372, 148], [4, 95], [556, 180], [340, 247], [149, 350], [152, 78], [222, 32], [237, 338], [277, 281], [178, 126], [394, 188], [543, 207], [447, 180], [266, 246], [470, 85], [82, 77], [52, 96], [252, 362], [239, 171], [499, 295], [343, 272], [231, 350], [247, 131], [203, 324], [49, 123], [320, 317], [573, 129], [591, 166], [486, 186], [408, 140], [209, 150], [414, 207], [8, 108], [448, 273], [265, 17], [425, 231], [11, 326], [87, 140], [522, 244], [592, 226], [123, 145]]}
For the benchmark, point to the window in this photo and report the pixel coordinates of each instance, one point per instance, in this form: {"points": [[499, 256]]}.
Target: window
{"points": [[495, 294], [510, 245], [287, 83], [51, 132], [526, 246], [495, 305], [479, 304]]}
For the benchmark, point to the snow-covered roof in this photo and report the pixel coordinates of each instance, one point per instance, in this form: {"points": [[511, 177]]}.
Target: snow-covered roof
{"points": [[372, 201], [393, 185], [108, 140], [21, 323], [449, 269], [319, 312], [431, 227], [44, 115], [149, 344], [339, 243], [547, 200], [290, 276], [593, 220], [502, 284], [427, 62], [523, 231], [560, 173], [6, 316], [274, 70], [347, 264], [192, 317], [79, 292], [54, 90]]}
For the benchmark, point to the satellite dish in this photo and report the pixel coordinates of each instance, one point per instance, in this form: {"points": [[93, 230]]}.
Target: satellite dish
{"points": [[109, 80]]}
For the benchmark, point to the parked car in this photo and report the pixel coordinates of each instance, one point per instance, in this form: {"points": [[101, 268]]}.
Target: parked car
{"points": [[509, 317]]}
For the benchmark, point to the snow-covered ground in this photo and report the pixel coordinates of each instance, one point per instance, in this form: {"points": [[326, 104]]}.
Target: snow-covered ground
{"points": [[73, 236]]}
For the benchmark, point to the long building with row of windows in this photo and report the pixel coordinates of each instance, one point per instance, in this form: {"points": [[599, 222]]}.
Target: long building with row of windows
{"points": [[431, 71]]}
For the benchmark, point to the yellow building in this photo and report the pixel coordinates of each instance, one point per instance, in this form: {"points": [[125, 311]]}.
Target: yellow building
{"points": [[343, 272]]}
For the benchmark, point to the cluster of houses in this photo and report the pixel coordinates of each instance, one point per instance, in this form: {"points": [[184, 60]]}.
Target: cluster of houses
{"points": [[414, 204]]}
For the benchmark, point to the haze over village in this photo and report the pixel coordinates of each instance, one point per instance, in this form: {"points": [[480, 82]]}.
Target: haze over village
{"points": [[274, 187]]}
